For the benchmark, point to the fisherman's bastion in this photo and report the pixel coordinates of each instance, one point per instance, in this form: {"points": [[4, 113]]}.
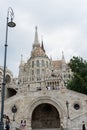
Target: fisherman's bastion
{"points": [[39, 95]]}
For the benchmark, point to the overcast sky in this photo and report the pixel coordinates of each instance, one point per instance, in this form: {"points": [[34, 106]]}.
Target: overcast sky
{"points": [[61, 23]]}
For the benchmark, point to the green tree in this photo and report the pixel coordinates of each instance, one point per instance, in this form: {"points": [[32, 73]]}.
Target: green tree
{"points": [[78, 81]]}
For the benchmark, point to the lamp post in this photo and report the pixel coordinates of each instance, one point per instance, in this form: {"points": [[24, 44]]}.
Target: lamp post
{"points": [[9, 23], [67, 105]]}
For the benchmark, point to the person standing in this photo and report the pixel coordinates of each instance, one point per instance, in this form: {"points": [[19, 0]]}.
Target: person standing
{"points": [[7, 123], [21, 125], [83, 126], [24, 123]]}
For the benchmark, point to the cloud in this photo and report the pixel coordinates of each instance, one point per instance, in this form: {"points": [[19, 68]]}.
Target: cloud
{"points": [[63, 24]]}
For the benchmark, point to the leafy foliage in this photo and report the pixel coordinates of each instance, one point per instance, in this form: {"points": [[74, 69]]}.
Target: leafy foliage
{"points": [[79, 80]]}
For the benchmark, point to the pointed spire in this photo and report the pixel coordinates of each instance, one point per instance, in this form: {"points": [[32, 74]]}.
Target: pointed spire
{"points": [[63, 56], [36, 41], [63, 62], [42, 45], [22, 62], [36, 36]]}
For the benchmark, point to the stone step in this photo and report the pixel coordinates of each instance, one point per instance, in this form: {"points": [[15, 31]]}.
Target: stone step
{"points": [[51, 129]]}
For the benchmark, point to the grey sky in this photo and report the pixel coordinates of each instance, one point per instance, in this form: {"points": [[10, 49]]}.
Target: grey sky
{"points": [[62, 23]]}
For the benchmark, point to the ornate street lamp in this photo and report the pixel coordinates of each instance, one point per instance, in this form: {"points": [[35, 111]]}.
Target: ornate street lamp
{"points": [[9, 23], [67, 105]]}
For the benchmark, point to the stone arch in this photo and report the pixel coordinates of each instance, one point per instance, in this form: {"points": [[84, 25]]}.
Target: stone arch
{"points": [[45, 116], [8, 78], [41, 100]]}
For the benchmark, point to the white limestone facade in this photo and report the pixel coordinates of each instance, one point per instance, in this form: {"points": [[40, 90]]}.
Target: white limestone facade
{"points": [[40, 95]]}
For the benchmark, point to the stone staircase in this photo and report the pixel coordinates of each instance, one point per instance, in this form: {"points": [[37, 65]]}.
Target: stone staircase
{"points": [[56, 129], [53, 129], [59, 129]]}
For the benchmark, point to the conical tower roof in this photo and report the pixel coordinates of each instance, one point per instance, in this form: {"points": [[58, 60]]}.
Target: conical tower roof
{"points": [[36, 41]]}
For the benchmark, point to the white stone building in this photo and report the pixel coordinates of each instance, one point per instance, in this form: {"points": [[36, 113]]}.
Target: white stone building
{"points": [[40, 95]]}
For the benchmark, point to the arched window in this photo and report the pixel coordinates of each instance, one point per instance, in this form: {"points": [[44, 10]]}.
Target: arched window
{"points": [[42, 72], [42, 62], [32, 72], [8, 79], [32, 64], [46, 63], [38, 72], [37, 63]]}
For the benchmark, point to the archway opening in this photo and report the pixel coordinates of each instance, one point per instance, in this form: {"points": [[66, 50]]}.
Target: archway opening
{"points": [[8, 79], [11, 92], [45, 116]]}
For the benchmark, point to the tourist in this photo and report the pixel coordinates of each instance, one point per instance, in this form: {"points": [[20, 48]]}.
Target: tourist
{"points": [[7, 123], [21, 125], [24, 123], [83, 126]]}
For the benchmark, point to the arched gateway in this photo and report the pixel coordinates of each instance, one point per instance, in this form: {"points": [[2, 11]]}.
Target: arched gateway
{"points": [[45, 115]]}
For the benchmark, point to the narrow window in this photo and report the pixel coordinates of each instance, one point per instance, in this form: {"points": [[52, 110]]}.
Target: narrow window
{"points": [[37, 63], [42, 62], [32, 72], [46, 63], [32, 64]]}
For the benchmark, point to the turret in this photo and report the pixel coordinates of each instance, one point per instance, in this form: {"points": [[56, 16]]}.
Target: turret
{"points": [[63, 62], [21, 66]]}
